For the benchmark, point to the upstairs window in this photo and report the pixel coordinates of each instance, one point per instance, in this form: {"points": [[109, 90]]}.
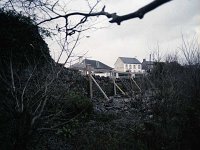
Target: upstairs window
{"points": [[130, 66], [97, 64], [126, 66]]}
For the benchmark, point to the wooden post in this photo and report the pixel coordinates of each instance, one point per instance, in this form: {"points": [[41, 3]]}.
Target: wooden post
{"points": [[120, 89], [115, 91], [136, 85], [99, 87], [88, 68], [113, 78]]}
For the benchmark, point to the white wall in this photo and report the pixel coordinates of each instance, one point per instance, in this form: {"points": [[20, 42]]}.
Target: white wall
{"points": [[133, 67], [119, 66], [105, 74]]}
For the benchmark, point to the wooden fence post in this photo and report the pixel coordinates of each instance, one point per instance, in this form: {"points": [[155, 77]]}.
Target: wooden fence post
{"points": [[136, 84], [119, 89], [115, 91], [99, 87], [88, 69], [114, 86]]}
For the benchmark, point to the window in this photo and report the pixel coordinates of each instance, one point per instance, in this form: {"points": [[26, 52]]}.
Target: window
{"points": [[133, 66], [97, 64], [139, 67], [130, 66], [126, 66]]}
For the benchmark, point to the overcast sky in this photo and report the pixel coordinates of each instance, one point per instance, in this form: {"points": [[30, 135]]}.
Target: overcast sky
{"points": [[139, 38]]}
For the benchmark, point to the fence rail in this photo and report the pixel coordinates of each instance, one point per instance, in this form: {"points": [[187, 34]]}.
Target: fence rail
{"points": [[88, 72]]}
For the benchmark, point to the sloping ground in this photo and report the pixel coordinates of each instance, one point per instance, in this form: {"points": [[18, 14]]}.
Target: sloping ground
{"points": [[89, 131], [166, 117], [119, 124], [21, 42]]}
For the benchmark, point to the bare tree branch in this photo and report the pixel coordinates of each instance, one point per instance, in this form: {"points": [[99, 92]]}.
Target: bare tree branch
{"points": [[115, 18], [139, 13], [101, 13]]}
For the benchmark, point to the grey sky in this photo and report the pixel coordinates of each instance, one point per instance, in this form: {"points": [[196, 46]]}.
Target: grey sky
{"points": [[163, 26]]}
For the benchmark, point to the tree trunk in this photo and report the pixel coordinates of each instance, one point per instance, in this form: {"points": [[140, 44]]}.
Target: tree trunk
{"points": [[22, 131]]}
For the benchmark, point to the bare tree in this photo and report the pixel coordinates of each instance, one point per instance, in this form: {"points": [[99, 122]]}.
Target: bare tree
{"points": [[54, 16], [32, 88], [36, 99], [190, 50]]}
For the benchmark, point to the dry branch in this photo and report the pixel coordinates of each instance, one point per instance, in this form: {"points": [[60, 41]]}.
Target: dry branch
{"points": [[115, 18], [139, 13]]}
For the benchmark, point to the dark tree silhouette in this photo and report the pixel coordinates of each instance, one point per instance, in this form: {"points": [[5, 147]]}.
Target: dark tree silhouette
{"points": [[140, 12]]}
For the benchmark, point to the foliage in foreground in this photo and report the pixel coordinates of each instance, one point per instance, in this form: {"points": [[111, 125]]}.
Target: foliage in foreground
{"points": [[54, 105], [175, 107], [35, 91], [167, 119]]}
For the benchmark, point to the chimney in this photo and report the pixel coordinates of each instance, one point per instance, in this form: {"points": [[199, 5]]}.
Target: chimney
{"points": [[144, 60], [153, 58], [150, 57], [80, 59]]}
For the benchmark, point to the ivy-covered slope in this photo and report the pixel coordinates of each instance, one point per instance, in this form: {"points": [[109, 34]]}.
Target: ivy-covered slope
{"points": [[20, 41]]}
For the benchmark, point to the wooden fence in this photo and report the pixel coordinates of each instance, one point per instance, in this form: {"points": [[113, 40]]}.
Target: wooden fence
{"points": [[92, 80]]}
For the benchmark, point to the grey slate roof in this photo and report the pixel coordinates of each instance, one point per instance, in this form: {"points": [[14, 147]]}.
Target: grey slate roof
{"points": [[128, 60], [94, 64], [78, 66], [97, 64], [148, 62]]}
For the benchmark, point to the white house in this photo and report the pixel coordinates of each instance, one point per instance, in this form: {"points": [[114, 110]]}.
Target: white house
{"points": [[127, 64]]}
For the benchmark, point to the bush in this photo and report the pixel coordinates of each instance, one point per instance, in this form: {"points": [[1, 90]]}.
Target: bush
{"points": [[175, 106], [78, 103]]}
